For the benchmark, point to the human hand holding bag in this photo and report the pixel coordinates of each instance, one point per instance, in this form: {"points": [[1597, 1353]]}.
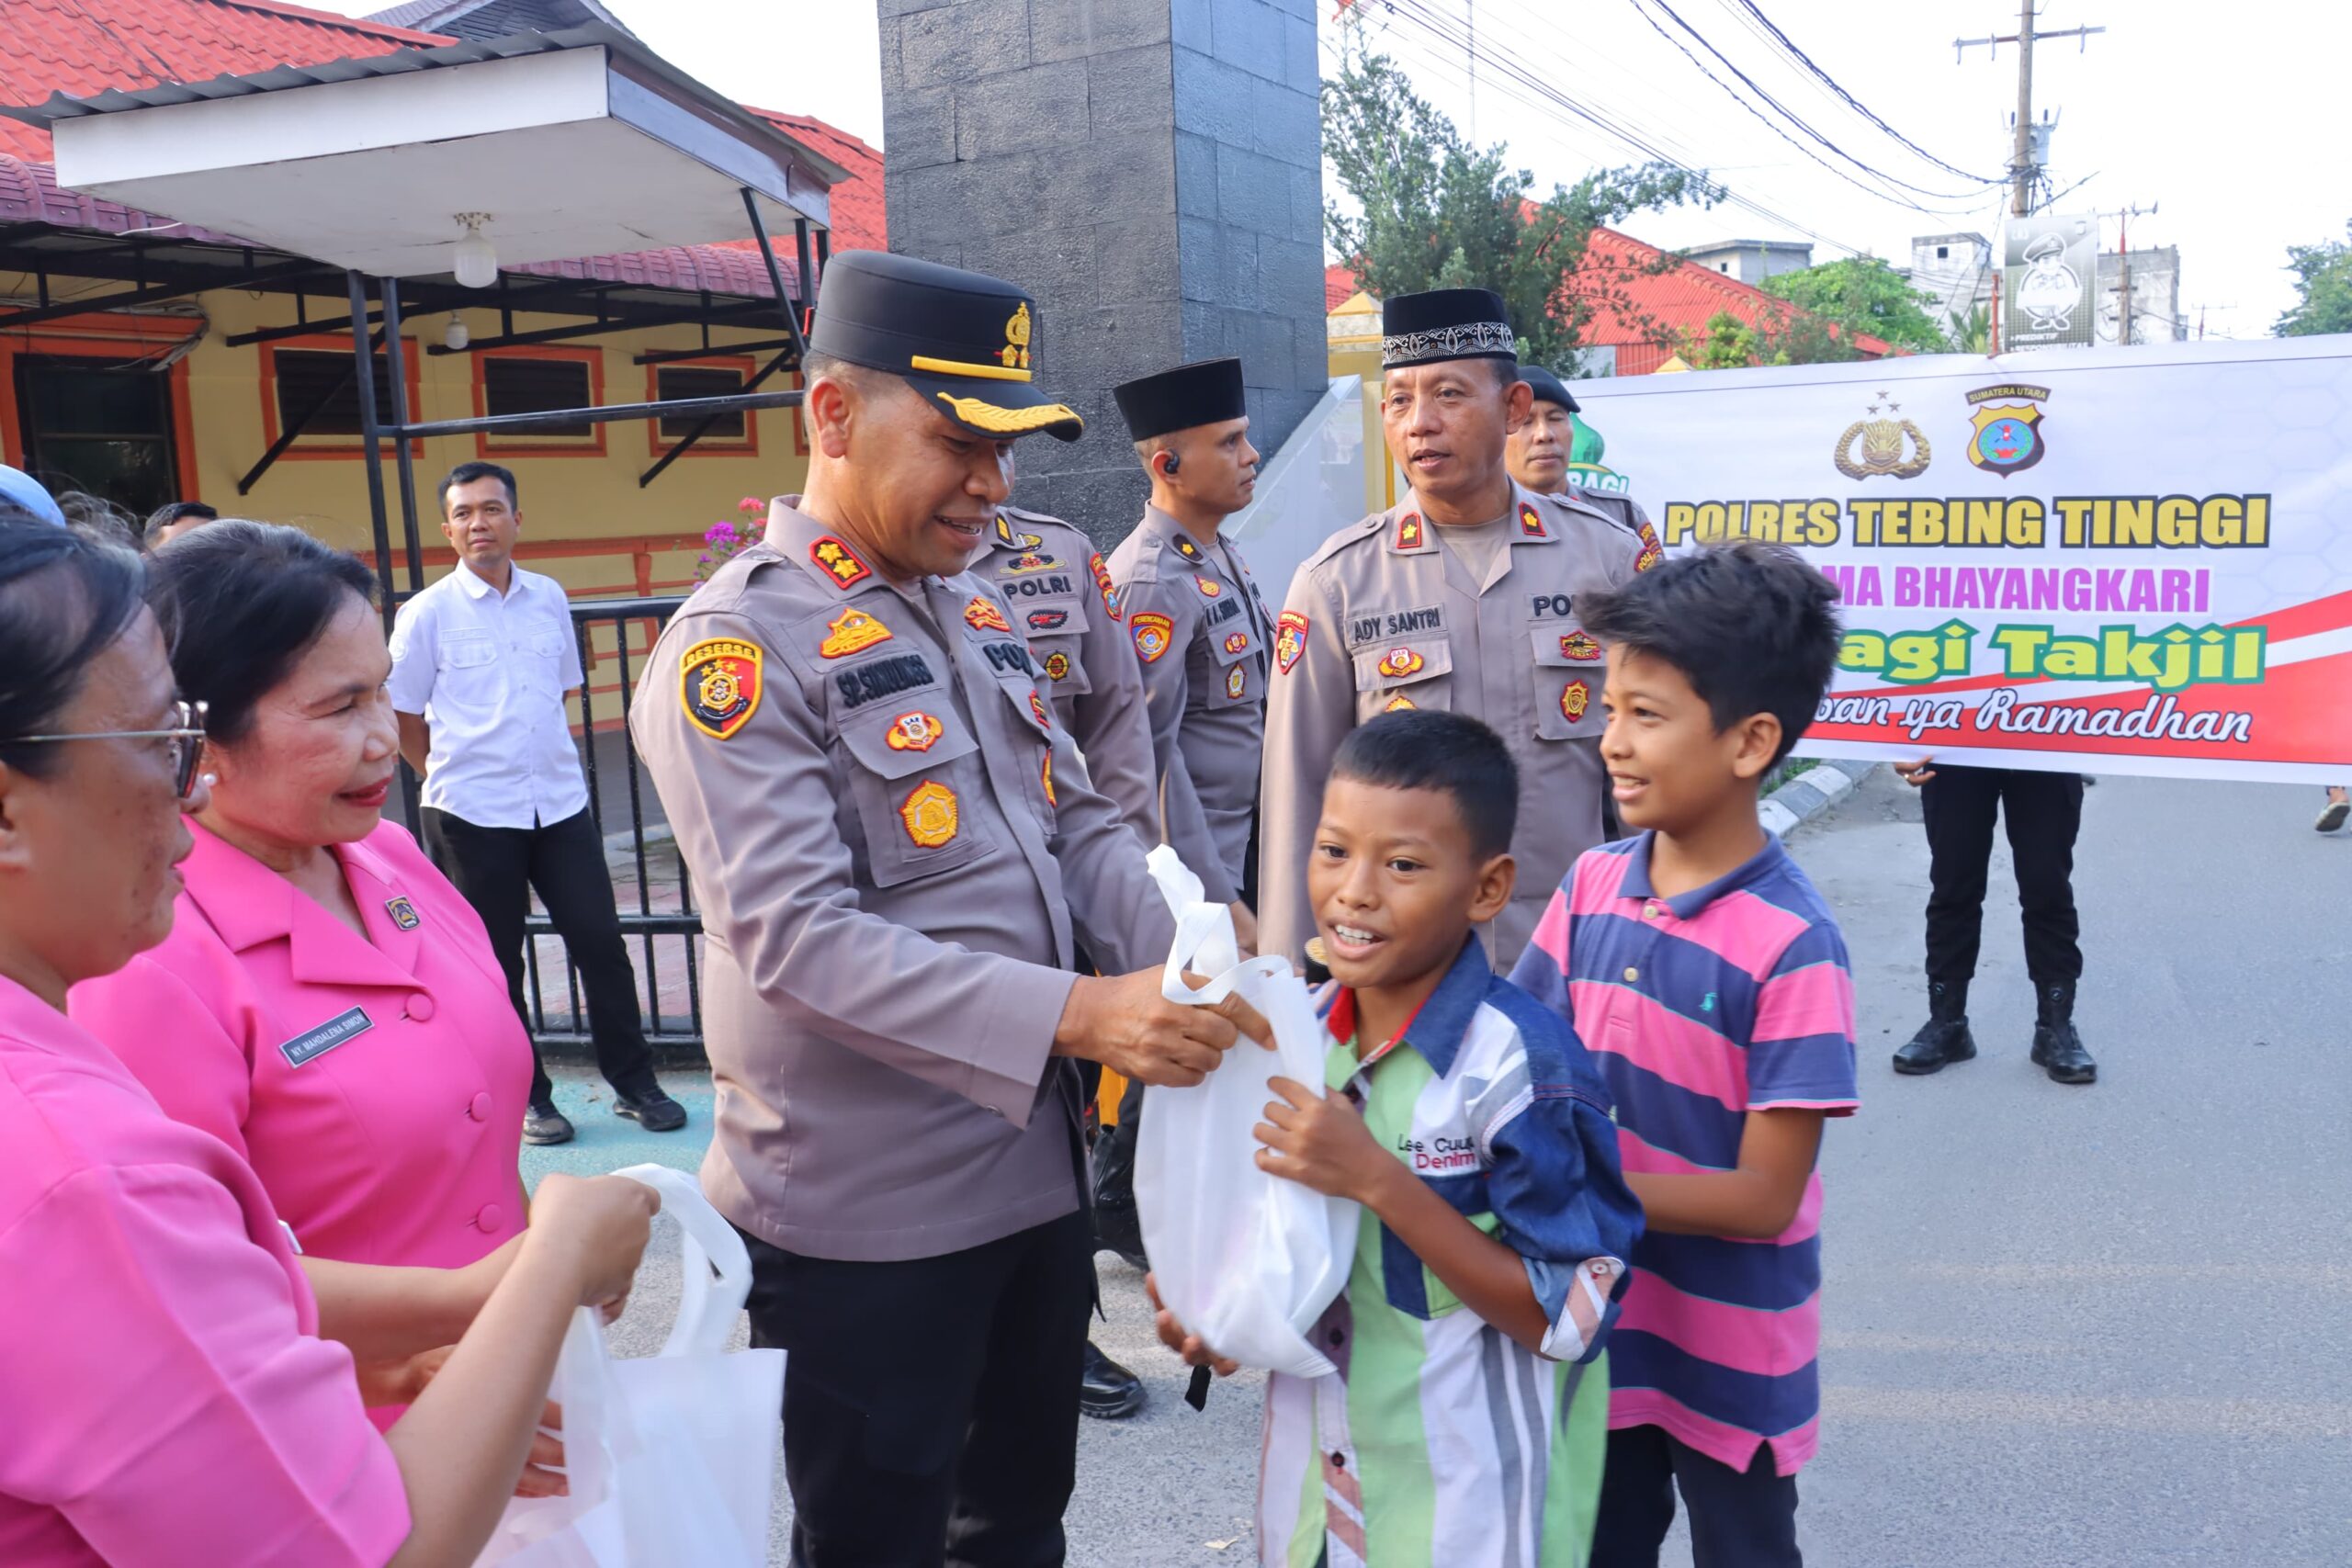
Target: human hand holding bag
{"points": [[670, 1457], [1245, 1261]]}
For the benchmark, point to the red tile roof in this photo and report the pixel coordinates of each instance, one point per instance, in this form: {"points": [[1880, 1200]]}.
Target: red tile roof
{"points": [[83, 47], [858, 221], [1681, 300], [1339, 286]]}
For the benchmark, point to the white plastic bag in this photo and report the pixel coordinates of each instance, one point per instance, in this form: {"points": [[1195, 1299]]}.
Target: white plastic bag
{"points": [[670, 1457], [1246, 1260]]}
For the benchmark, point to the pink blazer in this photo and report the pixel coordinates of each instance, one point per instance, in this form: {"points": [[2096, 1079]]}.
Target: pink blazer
{"points": [[377, 1087], [163, 1397]]}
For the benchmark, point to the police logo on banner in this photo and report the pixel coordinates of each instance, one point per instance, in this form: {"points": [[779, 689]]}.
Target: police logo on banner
{"points": [[2007, 438]]}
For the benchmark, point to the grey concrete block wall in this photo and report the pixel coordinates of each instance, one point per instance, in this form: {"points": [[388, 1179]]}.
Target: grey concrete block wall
{"points": [[1150, 169]]}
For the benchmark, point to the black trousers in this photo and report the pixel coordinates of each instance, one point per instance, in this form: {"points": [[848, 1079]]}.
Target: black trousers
{"points": [[2042, 812], [1738, 1520], [929, 1406], [496, 869]]}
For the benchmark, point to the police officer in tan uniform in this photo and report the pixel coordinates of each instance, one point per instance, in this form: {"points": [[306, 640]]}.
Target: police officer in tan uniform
{"points": [[1200, 629], [894, 845], [1059, 590], [1462, 596], [1062, 601], [1201, 632], [1541, 450]]}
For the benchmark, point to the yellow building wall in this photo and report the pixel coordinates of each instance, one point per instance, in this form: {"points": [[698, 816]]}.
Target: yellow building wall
{"points": [[567, 501], [585, 521]]}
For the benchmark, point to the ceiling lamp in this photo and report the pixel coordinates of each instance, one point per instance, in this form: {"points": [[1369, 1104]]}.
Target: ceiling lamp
{"points": [[455, 336], [476, 259]]}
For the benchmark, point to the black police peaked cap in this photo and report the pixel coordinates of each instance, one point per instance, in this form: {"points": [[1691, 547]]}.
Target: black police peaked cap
{"points": [[961, 339]]}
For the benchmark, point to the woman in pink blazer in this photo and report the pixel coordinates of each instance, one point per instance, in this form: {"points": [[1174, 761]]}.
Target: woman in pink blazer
{"points": [[327, 1004], [165, 1395]]}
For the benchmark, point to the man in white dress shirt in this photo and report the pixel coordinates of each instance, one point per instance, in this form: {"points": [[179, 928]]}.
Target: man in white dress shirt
{"points": [[482, 663]]}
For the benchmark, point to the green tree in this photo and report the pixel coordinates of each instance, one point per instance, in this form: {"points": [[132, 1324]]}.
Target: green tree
{"points": [[1971, 331], [1432, 211], [2323, 279], [1726, 342], [1862, 294]]}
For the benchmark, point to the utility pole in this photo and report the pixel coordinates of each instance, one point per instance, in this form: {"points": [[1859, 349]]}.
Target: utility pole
{"points": [[2023, 166], [2123, 269]]}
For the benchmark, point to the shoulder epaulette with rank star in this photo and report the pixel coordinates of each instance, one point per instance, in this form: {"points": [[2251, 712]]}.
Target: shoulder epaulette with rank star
{"points": [[838, 562], [1530, 522], [1185, 548]]}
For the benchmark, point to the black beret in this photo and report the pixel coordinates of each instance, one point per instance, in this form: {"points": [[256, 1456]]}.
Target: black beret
{"points": [[1207, 391], [961, 339], [1444, 323], [1549, 388]]}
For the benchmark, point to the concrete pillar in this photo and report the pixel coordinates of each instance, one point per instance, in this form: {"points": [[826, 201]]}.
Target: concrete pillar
{"points": [[1150, 169]]}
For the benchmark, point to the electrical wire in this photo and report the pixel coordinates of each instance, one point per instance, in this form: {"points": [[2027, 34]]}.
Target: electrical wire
{"points": [[1557, 105], [1641, 7], [1831, 83]]}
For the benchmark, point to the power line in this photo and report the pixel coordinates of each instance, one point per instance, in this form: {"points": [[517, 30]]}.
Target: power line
{"points": [[1557, 105], [1641, 7], [1831, 83]]}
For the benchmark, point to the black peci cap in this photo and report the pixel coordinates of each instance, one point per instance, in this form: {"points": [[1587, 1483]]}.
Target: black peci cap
{"points": [[961, 339], [1444, 323], [1205, 392], [1549, 388]]}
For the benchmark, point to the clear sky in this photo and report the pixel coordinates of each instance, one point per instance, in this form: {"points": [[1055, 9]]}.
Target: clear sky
{"points": [[2229, 119]]}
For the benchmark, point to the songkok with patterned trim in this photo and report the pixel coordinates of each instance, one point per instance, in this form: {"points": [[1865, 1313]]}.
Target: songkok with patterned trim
{"points": [[1444, 323], [1207, 391], [963, 339], [1549, 388]]}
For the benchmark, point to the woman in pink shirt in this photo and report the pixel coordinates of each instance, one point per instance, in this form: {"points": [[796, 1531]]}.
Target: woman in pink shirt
{"points": [[166, 1397], [327, 1004]]}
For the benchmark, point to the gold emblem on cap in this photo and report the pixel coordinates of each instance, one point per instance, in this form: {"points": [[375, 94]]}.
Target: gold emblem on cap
{"points": [[987, 416], [1015, 353]]}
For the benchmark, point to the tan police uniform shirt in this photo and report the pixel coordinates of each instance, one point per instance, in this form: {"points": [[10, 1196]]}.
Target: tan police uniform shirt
{"points": [[1059, 591], [1202, 634], [1385, 616], [892, 840]]}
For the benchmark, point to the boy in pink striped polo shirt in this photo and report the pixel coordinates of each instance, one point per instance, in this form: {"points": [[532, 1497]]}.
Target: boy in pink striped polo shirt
{"points": [[1709, 981]]}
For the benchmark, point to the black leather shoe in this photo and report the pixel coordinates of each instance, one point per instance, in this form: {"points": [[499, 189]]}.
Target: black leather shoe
{"points": [[656, 1111], [1944, 1038], [1107, 1391], [1118, 1229], [2057, 1049], [543, 1123]]}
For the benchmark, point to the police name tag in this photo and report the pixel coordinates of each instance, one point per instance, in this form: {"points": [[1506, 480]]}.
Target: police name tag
{"points": [[312, 1043]]}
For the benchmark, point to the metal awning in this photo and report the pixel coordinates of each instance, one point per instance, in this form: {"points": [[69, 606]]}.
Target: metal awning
{"points": [[368, 163]]}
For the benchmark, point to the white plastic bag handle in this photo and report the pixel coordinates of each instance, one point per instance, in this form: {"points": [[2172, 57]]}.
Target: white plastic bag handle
{"points": [[706, 1307]]}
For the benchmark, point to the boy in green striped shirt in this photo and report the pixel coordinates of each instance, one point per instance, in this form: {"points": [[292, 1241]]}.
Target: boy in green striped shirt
{"points": [[1467, 1421]]}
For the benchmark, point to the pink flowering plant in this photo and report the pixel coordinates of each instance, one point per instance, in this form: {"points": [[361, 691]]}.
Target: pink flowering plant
{"points": [[722, 541]]}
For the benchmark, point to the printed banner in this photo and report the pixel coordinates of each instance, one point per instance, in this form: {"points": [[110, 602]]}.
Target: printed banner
{"points": [[2099, 560], [2049, 278]]}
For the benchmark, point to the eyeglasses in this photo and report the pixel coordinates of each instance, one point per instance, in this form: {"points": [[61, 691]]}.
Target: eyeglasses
{"points": [[187, 738]]}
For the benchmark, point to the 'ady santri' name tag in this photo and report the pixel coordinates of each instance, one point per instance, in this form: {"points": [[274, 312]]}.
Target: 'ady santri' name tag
{"points": [[312, 1043]]}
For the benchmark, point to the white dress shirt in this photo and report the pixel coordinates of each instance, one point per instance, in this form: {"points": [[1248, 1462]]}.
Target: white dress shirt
{"points": [[489, 674]]}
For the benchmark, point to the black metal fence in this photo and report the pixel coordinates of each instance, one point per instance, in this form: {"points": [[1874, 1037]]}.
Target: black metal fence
{"points": [[659, 923]]}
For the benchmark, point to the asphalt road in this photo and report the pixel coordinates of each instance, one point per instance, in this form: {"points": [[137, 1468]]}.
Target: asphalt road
{"points": [[2091, 1328]]}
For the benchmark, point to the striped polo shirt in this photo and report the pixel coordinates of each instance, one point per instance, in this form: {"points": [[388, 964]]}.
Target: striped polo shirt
{"points": [[1440, 1439], [1699, 1009]]}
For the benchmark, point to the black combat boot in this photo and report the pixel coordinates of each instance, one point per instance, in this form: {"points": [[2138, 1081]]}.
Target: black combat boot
{"points": [[1944, 1038], [2057, 1049]]}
